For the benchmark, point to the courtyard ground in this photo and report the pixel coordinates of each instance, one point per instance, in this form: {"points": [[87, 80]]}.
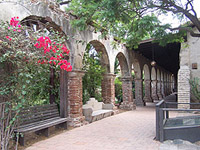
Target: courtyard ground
{"points": [[131, 130]]}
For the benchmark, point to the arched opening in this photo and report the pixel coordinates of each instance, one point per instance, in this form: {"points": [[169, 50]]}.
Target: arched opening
{"points": [[123, 82], [147, 84], [121, 71], [53, 82], [162, 84], [159, 84], [138, 84], [154, 84], [96, 81]]}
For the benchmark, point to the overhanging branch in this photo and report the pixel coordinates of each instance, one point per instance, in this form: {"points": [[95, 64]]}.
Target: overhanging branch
{"points": [[192, 33]]}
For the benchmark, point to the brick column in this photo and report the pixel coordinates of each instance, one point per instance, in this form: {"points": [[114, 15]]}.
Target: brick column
{"points": [[183, 86], [147, 97], [159, 90], [108, 88], [154, 89], [75, 98], [128, 102], [139, 92]]}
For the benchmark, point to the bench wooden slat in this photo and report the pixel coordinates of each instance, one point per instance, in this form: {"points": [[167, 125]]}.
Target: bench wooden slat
{"points": [[38, 118], [42, 125], [46, 113], [38, 113], [39, 107], [35, 123]]}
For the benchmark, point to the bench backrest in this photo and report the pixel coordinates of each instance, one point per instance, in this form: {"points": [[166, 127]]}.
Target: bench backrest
{"points": [[94, 104], [38, 113]]}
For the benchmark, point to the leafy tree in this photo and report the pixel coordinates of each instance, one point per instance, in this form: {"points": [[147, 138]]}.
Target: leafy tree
{"points": [[93, 74], [132, 21]]}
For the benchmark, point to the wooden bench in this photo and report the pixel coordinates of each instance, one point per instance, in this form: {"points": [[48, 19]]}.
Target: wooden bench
{"points": [[38, 119], [95, 110]]}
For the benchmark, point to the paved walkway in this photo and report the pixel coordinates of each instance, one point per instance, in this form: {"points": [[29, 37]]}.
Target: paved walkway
{"points": [[132, 130]]}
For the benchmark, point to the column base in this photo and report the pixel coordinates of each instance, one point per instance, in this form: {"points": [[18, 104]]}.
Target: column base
{"points": [[140, 102], [160, 96], [155, 97], [148, 99], [77, 122], [127, 106]]}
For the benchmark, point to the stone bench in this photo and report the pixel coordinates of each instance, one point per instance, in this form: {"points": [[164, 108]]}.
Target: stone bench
{"points": [[95, 110]]}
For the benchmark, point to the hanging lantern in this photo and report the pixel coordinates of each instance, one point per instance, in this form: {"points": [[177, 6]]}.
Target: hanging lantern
{"points": [[153, 63]]}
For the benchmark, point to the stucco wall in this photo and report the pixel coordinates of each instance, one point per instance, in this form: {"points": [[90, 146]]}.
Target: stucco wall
{"points": [[190, 54], [189, 57]]}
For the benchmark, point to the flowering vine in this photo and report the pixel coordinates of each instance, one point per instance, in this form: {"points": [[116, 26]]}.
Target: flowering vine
{"points": [[56, 53], [53, 53]]}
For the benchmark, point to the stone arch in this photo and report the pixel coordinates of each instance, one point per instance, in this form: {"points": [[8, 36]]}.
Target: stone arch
{"points": [[123, 65], [147, 84], [137, 70], [107, 84], [72, 82], [126, 79], [100, 48], [154, 83], [146, 71]]}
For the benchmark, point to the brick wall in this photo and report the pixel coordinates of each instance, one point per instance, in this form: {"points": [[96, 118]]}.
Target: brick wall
{"points": [[75, 98], [108, 88], [183, 86], [128, 102]]}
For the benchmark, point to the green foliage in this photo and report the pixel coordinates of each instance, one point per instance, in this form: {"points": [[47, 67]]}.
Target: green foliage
{"points": [[128, 21], [118, 90], [133, 84], [93, 74], [116, 70], [24, 80], [195, 87]]}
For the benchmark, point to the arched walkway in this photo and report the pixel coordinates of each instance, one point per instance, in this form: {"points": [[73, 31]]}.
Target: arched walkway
{"points": [[147, 83], [126, 79], [71, 85], [131, 130]]}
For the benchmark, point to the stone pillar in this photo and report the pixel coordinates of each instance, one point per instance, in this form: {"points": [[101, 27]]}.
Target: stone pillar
{"points": [[165, 87], [159, 90], [184, 87], [139, 92], [75, 98], [108, 88], [147, 97], [128, 102], [162, 89], [154, 89]]}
